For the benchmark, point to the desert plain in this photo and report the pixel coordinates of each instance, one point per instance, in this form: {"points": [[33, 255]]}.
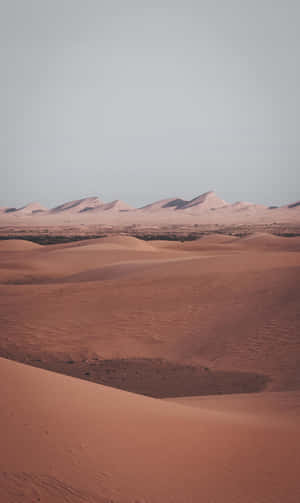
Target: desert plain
{"points": [[150, 370]]}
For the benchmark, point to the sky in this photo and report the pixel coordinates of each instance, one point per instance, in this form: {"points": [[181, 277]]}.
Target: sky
{"points": [[139, 100]]}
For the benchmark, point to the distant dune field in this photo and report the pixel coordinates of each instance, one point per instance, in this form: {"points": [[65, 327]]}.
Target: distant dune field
{"points": [[207, 208]]}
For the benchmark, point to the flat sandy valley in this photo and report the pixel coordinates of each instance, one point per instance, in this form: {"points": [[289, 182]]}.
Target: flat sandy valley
{"points": [[157, 371]]}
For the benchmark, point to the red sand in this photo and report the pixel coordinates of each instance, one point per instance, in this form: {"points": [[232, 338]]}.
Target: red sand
{"points": [[231, 305]]}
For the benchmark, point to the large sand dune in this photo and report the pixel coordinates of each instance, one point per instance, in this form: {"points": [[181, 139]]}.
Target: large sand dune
{"points": [[63, 439]]}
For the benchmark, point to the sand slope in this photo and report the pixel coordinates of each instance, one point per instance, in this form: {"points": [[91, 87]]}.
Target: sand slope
{"points": [[65, 440]]}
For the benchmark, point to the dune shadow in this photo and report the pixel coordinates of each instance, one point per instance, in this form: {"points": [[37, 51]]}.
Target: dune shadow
{"points": [[159, 378]]}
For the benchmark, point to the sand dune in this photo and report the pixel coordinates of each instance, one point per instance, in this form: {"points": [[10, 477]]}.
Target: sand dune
{"points": [[206, 201], [260, 240], [245, 206], [116, 206], [28, 210], [163, 204], [89, 260], [110, 242], [211, 242], [214, 239], [257, 240], [221, 242], [17, 245], [293, 206], [127, 242], [81, 442], [79, 205], [214, 242]]}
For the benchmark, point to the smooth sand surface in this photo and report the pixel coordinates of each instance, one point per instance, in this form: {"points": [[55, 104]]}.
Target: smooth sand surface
{"points": [[63, 439], [274, 407], [216, 316]]}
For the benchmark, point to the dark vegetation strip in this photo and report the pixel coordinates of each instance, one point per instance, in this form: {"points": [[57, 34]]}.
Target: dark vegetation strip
{"points": [[43, 239], [287, 234], [168, 237], [51, 240], [48, 239]]}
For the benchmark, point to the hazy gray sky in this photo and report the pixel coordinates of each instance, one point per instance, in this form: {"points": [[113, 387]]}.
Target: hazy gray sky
{"points": [[141, 100]]}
